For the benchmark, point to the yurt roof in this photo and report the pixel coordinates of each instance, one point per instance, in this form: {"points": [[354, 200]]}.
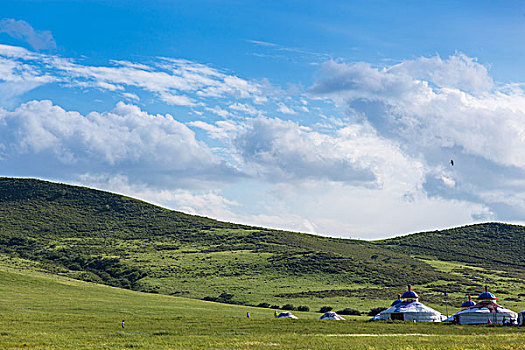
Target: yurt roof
{"points": [[286, 315], [398, 300], [331, 316], [486, 295], [468, 303], [414, 307], [395, 302], [409, 294]]}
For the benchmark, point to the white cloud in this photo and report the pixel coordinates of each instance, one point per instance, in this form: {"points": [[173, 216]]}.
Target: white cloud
{"points": [[154, 149], [439, 110], [16, 77], [382, 168], [178, 100], [348, 211], [131, 96], [245, 108], [285, 109], [218, 111], [221, 130], [22, 30], [490, 125], [177, 82], [448, 181], [284, 151], [457, 71]]}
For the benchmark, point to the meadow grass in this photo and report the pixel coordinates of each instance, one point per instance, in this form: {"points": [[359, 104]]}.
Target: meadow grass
{"points": [[43, 311]]}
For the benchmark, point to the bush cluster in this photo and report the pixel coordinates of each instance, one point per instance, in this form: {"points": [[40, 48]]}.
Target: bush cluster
{"points": [[349, 311], [225, 298], [325, 309], [375, 311]]}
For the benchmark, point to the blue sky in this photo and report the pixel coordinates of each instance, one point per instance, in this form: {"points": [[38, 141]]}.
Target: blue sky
{"points": [[338, 118]]}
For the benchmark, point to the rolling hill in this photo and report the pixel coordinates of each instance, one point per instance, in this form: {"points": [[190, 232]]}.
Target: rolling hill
{"points": [[107, 238]]}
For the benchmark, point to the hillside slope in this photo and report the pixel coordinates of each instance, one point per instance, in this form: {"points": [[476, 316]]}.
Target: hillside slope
{"points": [[116, 240], [491, 245]]}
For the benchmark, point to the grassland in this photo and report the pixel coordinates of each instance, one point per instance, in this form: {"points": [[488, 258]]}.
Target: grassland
{"points": [[39, 310], [119, 241]]}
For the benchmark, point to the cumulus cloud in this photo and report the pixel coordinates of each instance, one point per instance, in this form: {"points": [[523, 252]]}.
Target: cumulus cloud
{"points": [[154, 149], [22, 30], [490, 126], [277, 150], [438, 110], [457, 71]]}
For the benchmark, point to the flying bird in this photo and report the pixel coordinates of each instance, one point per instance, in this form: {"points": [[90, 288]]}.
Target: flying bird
{"points": [[452, 162]]}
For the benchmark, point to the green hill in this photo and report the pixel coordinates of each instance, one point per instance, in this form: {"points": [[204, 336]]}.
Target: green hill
{"points": [[489, 245], [112, 239]]}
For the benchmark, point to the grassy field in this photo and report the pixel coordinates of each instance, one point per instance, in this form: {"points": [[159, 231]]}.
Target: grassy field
{"points": [[43, 311]]}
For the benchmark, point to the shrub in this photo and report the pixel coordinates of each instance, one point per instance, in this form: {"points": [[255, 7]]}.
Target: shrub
{"points": [[375, 311], [274, 307], [266, 305], [303, 308], [225, 297], [326, 309], [288, 307], [348, 311]]}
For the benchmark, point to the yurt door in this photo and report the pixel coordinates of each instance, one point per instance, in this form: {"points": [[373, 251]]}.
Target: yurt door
{"points": [[397, 316]]}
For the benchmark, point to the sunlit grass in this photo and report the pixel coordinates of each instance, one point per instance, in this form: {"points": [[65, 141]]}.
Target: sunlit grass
{"points": [[42, 311]]}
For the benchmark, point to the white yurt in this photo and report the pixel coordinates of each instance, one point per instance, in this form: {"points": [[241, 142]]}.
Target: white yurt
{"points": [[408, 308], [286, 315], [484, 311], [521, 318], [331, 316]]}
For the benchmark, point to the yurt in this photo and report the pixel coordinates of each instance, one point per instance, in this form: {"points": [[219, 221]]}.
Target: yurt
{"points": [[484, 311], [286, 315], [331, 316], [408, 308], [521, 318]]}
